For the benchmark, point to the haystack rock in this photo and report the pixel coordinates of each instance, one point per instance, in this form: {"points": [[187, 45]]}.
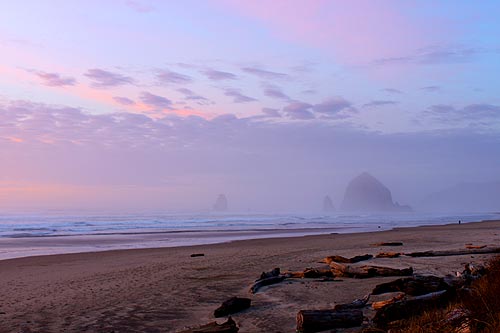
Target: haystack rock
{"points": [[366, 193], [327, 204], [221, 203]]}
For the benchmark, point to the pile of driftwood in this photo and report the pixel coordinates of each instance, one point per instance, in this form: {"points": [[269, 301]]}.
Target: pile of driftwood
{"points": [[407, 296]]}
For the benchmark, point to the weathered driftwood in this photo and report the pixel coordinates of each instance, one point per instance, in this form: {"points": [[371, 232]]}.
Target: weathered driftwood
{"points": [[294, 275], [274, 272], [345, 260], [197, 255], [367, 271], [266, 282], [471, 247], [409, 307], [381, 304], [232, 305], [228, 327], [388, 255], [414, 286], [311, 273], [388, 244], [314, 273], [356, 304], [454, 252], [309, 321]]}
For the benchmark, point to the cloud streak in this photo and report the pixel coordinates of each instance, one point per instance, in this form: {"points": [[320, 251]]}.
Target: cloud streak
{"points": [[238, 97], [170, 77], [264, 74], [156, 101], [216, 75], [104, 79], [56, 79]]}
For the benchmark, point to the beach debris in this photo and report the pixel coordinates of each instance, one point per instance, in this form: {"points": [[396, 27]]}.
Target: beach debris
{"points": [[197, 255], [345, 260], [274, 272], [314, 273], [388, 244], [414, 286], [388, 255], [267, 278], [470, 246], [228, 327], [356, 304], [380, 304], [408, 307], [367, 271], [309, 321], [232, 305], [460, 252]]}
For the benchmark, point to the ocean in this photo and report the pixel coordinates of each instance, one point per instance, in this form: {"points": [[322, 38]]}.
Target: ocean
{"points": [[38, 234]]}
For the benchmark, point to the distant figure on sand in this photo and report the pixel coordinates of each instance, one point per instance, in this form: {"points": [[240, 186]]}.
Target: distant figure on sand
{"points": [[459, 221]]}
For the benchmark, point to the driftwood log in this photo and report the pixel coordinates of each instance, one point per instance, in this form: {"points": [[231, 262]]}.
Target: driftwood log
{"points": [[381, 304], [274, 272], [228, 327], [232, 305], [409, 307], [367, 271], [356, 304], [388, 244], [309, 321], [414, 286], [471, 247], [460, 252], [266, 282], [345, 260], [388, 255]]}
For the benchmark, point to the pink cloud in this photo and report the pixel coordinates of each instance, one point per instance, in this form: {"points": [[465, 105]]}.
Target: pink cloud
{"points": [[354, 31]]}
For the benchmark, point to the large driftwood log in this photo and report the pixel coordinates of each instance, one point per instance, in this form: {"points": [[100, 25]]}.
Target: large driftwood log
{"points": [[266, 282], [232, 305], [228, 327], [381, 304], [409, 307], [309, 321], [414, 286], [345, 260], [367, 271], [460, 252]]}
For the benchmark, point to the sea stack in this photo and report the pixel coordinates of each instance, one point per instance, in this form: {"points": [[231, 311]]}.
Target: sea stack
{"points": [[327, 204], [366, 193], [221, 203]]}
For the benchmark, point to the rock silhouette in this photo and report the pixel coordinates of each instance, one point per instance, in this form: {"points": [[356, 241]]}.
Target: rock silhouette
{"points": [[220, 204], [327, 204], [365, 193]]}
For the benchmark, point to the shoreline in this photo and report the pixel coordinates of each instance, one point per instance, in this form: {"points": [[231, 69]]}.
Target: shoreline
{"points": [[166, 290], [12, 248]]}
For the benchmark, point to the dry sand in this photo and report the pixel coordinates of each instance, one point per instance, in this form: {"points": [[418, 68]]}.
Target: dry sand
{"points": [[165, 290]]}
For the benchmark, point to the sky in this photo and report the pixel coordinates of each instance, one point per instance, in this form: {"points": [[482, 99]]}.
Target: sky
{"points": [[161, 105]]}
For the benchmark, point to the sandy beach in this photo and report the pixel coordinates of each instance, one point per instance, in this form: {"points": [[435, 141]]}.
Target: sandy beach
{"points": [[166, 290]]}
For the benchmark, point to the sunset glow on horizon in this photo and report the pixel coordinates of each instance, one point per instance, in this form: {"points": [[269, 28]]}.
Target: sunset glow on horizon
{"points": [[162, 105]]}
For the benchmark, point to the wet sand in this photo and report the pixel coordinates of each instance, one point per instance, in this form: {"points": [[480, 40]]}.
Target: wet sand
{"points": [[165, 290]]}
